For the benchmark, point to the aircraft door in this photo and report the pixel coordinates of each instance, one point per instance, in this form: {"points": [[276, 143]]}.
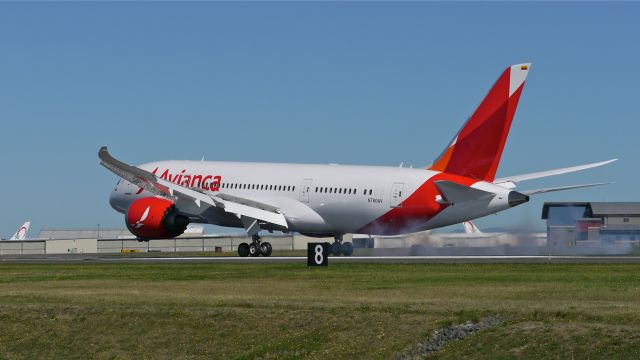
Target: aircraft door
{"points": [[396, 195], [305, 188]]}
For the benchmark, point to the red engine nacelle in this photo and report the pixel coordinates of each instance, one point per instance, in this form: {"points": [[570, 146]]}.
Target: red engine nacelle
{"points": [[155, 218]]}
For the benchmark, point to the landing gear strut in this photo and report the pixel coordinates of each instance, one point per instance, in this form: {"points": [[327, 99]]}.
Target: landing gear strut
{"points": [[339, 247], [256, 248]]}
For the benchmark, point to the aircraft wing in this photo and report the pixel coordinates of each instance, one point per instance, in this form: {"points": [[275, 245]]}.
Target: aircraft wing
{"points": [[560, 188], [134, 175], [247, 210], [510, 181]]}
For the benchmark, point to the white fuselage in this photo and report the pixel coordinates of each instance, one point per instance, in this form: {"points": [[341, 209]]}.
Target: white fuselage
{"points": [[322, 199]]}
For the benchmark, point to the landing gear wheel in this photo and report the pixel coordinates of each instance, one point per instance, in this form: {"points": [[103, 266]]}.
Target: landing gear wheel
{"points": [[346, 248], [266, 249], [254, 250], [243, 250], [335, 248]]}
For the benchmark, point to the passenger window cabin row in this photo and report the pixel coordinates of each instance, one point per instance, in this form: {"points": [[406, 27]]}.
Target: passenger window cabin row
{"points": [[345, 191], [321, 190], [257, 187]]}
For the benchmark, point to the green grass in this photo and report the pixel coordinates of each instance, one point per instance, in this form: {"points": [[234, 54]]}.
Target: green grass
{"points": [[244, 311]]}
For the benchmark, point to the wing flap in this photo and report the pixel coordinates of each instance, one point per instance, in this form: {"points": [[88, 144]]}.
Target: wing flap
{"points": [[232, 204]]}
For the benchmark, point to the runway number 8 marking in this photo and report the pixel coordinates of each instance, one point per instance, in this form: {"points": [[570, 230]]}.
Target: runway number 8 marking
{"points": [[317, 254]]}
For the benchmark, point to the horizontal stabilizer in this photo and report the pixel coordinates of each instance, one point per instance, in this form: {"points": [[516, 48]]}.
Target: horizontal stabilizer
{"points": [[511, 180], [455, 193], [546, 190]]}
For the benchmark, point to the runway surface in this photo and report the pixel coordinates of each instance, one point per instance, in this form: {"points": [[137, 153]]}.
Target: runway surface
{"points": [[303, 260]]}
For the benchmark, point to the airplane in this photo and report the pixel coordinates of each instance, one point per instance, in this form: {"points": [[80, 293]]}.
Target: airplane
{"points": [[159, 199], [471, 228], [21, 233]]}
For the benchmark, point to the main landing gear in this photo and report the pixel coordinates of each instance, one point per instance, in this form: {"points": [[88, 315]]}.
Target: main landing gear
{"points": [[341, 248], [256, 248]]}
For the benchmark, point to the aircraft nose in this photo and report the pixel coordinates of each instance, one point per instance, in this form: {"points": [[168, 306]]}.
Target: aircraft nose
{"points": [[116, 201]]}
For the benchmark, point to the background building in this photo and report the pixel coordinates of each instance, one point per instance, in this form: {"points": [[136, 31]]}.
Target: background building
{"points": [[103, 233], [570, 223]]}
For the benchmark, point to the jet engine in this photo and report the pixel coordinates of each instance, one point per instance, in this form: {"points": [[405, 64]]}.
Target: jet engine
{"points": [[155, 218]]}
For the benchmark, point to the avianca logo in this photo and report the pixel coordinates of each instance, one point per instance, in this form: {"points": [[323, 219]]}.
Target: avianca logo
{"points": [[22, 233], [144, 216], [204, 182]]}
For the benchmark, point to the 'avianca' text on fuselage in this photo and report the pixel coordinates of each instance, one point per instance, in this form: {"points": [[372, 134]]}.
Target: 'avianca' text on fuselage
{"points": [[182, 178]]}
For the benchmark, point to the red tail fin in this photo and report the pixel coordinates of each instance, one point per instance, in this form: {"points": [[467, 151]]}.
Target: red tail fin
{"points": [[476, 150]]}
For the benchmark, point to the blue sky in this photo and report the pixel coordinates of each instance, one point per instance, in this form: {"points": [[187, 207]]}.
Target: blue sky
{"points": [[350, 83]]}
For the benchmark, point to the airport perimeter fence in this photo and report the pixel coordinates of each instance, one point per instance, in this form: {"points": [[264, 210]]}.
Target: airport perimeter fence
{"points": [[204, 244], [106, 246]]}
